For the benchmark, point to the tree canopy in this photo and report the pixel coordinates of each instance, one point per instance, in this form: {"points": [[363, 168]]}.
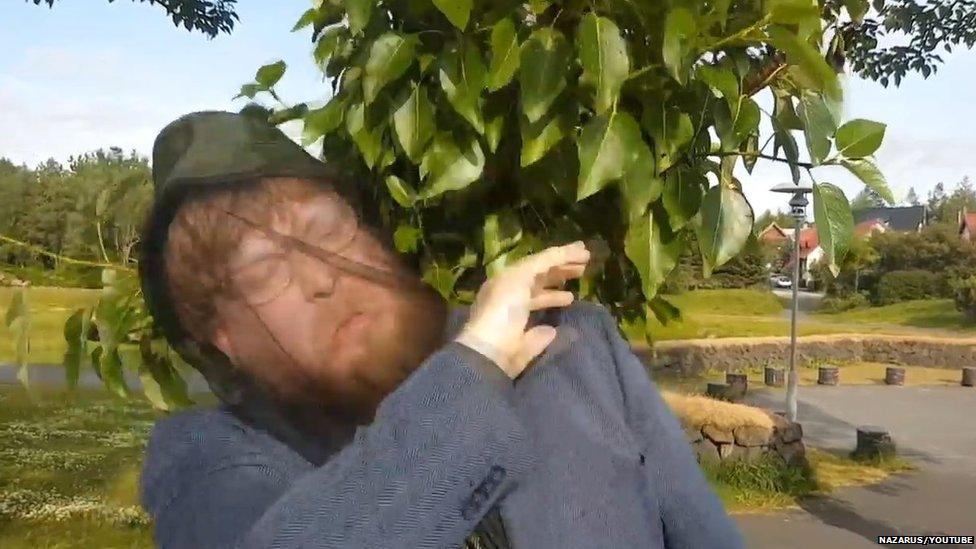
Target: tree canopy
{"points": [[210, 17]]}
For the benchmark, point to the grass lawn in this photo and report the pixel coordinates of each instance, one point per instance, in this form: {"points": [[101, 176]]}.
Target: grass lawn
{"points": [[69, 468], [922, 313]]}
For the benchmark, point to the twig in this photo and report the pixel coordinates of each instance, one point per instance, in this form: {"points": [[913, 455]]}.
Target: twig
{"points": [[59, 257], [806, 165]]}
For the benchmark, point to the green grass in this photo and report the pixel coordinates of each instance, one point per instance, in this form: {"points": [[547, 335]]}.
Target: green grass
{"points": [[68, 470], [923, 313]]}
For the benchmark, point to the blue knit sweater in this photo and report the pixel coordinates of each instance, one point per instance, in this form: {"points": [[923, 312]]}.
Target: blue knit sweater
{"points": [[580, 452]]}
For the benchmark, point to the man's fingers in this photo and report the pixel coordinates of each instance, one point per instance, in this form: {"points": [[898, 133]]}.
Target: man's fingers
{"points": [[551, 298], [534, 342], [556, 256], [559, 275]]}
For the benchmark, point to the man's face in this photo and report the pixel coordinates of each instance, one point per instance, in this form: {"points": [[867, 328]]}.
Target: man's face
{"points": [[314, 332]]}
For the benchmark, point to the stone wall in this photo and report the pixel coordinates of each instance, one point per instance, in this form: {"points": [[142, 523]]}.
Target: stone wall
{"points": [[784, 438], [696, 355]]}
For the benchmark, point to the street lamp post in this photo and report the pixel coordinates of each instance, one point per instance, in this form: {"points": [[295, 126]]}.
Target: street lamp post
{"points": [[798, 211]]}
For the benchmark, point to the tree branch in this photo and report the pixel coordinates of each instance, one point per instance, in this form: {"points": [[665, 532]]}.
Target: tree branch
{"points": [[806, 165]]}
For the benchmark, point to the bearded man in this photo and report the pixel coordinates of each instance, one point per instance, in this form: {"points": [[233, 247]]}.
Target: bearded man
{"points": [[357, 409]]}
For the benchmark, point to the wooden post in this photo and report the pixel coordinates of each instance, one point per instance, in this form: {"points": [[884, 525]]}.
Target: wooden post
{"points": [[894, 376], [738, 384], [774, 377], [873, 442], [968, 376], [828, 375]]}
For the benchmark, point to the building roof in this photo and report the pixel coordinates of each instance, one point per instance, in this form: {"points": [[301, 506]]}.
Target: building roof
{"points": [[809, 241], [772, 233], [906, 218]]}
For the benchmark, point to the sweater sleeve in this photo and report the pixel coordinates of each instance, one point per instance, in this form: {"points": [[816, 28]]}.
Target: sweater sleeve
{"points": [[443, 448], [691, 514]]}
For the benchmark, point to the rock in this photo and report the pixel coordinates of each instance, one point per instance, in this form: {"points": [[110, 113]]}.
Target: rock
{"points": [[693, 435], [717, 390], [788, 432], [792, 452], [705, 451], [725, 450], [716, 435], [752, 435]]}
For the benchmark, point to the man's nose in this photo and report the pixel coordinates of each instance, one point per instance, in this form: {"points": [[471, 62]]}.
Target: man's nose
{"points": [[316, 278]]}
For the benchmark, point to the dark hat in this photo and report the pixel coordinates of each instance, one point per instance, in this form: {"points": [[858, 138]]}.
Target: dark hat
{"points": [[202, 152]]}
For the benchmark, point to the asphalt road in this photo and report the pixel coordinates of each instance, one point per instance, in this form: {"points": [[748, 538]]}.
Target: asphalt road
{"points": [[935, 427]]}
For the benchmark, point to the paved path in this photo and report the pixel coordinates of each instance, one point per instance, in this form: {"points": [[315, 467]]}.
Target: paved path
{"points": [[932, 426]]}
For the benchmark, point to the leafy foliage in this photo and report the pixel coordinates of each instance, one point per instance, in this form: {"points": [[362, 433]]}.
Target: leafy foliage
{"points": [[964, 290], [210, 17], [490, 130]]}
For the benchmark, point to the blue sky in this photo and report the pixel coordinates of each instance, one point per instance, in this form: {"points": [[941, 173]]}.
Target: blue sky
{"points": [[93, 74]]}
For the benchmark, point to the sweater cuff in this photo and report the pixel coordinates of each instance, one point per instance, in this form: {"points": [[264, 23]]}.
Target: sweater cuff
{"points": [[484, 367]]}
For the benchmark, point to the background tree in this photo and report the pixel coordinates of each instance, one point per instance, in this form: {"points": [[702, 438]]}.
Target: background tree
{"points": [[210, 17], [866, 199], [912, 198], [781, 218]]}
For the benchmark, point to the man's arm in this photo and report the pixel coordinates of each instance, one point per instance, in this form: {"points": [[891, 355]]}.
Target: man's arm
{"points": [[443, 448], [691, 514]]}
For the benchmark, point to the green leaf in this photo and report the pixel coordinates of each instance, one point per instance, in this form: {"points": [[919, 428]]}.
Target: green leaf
{"points": [[859, 138], [249, 91], [369, 141], [389, 57], [414, 123], [463, 77], [653, 250], [400, 191], [504, 54], [804, 14], [305, 20], [545, 58], [867, 171], [640, 184], [606, 147], [541, 136], [603, 53], [680, 33], [721, 80], [493, 131], [269, 75], [449, 167], [856, 9], [819, 126], [785, 140], [406, 237], [734, 126], [671, 131], [110, 367], [726, 225], [440, 278], [457, 11], [359, 12], [287, 115], [502, 231], [328, 44], [76, 355], [323, 121], [807, 59], [663, 310], [682, 196], [835, 223], [752, 150], [784, 112]]}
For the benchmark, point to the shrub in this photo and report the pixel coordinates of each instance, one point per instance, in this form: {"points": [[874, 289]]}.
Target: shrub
{"points": [[899, 286], [841, 303], [965, 296]]}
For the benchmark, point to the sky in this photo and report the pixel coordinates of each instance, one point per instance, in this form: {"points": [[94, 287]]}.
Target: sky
{"points": [[94, 74]]}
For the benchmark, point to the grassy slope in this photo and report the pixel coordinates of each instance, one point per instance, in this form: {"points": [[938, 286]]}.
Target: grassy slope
{"points": [[923, 313]]}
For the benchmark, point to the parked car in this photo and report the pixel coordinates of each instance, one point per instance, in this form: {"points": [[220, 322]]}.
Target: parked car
{"points": [[780, 281]]}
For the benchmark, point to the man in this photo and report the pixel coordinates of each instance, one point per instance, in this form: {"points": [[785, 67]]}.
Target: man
{"points": [[358, 410]]}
